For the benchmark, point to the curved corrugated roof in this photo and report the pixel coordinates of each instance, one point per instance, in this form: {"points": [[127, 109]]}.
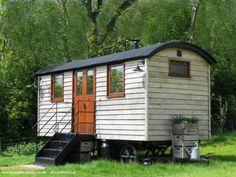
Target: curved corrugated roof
{"points": [[144, 52]]}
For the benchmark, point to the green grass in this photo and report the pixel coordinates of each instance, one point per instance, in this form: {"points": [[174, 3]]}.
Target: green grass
{"points": [[222, 164], [16, 160]]}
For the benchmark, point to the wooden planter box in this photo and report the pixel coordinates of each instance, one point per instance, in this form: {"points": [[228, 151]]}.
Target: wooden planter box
{"points": [[181, 152], [186, 129], [184, 138]]}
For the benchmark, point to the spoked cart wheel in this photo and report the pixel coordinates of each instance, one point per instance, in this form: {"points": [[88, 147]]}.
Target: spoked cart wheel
{"points": [[128, 154]]}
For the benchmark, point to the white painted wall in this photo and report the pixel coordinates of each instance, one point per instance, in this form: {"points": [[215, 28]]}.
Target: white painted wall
{"points": [[151, 99], [121, 118], [169, 96], [44, 104]]}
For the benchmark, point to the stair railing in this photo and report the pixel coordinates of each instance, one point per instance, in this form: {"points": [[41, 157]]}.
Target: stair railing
{"points": [[46, 123], [55, 114], [44, 115], [58, 123], [73, 126], [71, 109], [73, 106]]}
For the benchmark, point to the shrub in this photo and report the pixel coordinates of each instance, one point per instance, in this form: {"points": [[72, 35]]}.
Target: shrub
{"points": [[222, 115], [22, 149], [230, 123]]}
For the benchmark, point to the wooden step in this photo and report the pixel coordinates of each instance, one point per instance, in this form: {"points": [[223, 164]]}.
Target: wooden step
{"points": [[56, 144], [50, 152], [63, 136]]}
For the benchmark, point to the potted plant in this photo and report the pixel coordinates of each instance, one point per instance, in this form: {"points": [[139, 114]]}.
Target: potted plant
{"points": [[185, 125]]}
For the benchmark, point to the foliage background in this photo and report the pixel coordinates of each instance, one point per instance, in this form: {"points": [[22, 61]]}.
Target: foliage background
{"points": [[35, 34]]}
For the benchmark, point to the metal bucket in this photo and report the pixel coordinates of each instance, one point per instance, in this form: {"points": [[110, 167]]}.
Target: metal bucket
{"points": [[195, 152], [105, 150]]}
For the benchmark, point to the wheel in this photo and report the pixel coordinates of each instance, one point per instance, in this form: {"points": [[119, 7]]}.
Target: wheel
{"points": [[128, 154]]}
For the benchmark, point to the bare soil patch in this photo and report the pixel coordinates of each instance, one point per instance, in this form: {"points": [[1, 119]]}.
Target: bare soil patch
{"points": [[23, 167]]}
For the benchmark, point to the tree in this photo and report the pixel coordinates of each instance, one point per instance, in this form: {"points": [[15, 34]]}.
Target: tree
{"points": [[221, 116], [97, 36], [35, 34], [27, 30], [65, 19], [155, 21], [214, 31]]}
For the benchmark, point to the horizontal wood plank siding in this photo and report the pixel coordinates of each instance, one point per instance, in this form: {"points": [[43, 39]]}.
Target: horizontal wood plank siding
{"points": [[62, 108], [121, 118], [169, 96]]}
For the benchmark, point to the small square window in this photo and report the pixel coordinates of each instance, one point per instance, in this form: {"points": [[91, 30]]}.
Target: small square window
{"points": [[179, 68], [57, 87]]}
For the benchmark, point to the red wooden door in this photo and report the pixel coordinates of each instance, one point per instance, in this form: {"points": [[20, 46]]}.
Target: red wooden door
{"points": [[84, 101]]}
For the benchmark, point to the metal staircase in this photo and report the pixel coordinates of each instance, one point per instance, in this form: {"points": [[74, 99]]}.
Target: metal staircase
{"points": [[64, 147], [58, 148]]}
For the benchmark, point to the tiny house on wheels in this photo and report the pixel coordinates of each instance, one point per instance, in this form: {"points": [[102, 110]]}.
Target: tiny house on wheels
{"points": [[120, 103]]}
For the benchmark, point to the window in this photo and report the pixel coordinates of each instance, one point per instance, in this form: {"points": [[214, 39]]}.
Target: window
{"points": [[115, 84], [90, 82], [79, 82], [57, 87], [179, 68]]}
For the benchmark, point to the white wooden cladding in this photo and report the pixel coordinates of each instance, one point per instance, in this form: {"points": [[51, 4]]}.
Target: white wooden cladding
{"points": [[121, 118], [151, 100], [58, 111], [170, 96]]}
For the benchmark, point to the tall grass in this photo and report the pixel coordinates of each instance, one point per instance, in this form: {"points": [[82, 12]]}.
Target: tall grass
{"points": [[22, 149]]}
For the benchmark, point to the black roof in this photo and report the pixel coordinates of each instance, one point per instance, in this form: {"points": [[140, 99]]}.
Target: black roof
{"points": [[144, 52]]}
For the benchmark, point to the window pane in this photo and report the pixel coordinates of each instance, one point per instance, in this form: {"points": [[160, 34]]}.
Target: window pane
{"points": [[79, 83], [90, 82], [179, 68], [116, 79], [58, 79]]}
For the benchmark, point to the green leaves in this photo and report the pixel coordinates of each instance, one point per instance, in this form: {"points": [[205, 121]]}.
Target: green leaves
{"points": [[35, 34], [156, 21], [181, 119]]}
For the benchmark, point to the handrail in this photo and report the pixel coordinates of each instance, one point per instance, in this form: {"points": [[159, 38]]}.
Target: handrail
{"points": [[57, 123], [47, 122], [44, 115], [68, 132], [61, 120], [64, 136], [73, 106], [73, 126], [66, 126]]}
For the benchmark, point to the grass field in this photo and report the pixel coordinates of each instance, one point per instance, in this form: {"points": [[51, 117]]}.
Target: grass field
{"points": [[222, 164]]}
